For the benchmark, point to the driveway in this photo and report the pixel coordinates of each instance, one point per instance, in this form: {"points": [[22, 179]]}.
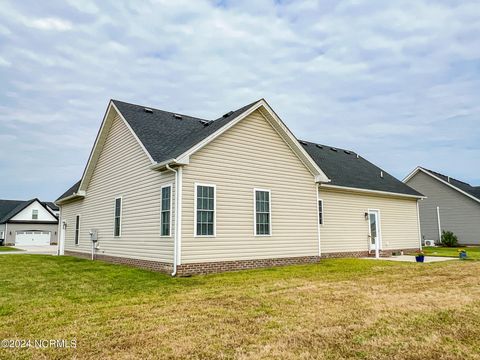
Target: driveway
{"points": [[33, 249]]}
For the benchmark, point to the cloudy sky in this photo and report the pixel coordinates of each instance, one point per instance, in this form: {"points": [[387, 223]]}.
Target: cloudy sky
{"points": [[397, 81]]}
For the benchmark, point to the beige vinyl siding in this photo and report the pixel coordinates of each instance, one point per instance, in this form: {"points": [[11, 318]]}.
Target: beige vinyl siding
{"points": [[458, 213], [122, 170], [250, 155], [345, 228]]}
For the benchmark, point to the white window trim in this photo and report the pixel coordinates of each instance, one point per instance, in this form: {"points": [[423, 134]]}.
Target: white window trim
{"points": [[75, 229], [121, 216], [255, 212], [170, 185], [196, 185], [33, 210], [318, 211]]}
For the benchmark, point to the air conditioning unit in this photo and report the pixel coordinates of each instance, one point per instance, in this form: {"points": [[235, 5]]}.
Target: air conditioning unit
{"points": [[429, 243]]}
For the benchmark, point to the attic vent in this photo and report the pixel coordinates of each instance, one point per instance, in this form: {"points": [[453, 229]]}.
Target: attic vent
{"points": [[347, 152], [177, 116], [205, 122], [319, 146], [148, 110], [333, 149], [227, 114], [302, 142], [358, 156], [381, 174]]}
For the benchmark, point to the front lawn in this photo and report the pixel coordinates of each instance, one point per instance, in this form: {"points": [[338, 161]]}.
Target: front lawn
{"points": [[473, 252], [366, 309], [7, 248]]}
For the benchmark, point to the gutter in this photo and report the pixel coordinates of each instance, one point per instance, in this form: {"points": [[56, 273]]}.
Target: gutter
{"points": [[328, 186], [166, 164], [80, 194]]}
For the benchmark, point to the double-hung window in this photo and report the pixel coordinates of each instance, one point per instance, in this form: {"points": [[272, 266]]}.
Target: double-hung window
{"points": [[166, 211], [117, 227], [320, 212], [263, 221], [204, 210], [34, 214], [77, 229]]}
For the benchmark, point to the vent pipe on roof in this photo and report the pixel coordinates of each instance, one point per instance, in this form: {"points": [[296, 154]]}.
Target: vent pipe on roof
{"points": [[381, 174], [358, 156], [448, 178]]}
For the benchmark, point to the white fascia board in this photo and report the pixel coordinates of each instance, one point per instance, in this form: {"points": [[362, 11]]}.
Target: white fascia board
{"points": [[79, 194], [278, 125], [414, 172], [162, 165], [293, 143], [133, 133], [378, 192], [100, 141]]}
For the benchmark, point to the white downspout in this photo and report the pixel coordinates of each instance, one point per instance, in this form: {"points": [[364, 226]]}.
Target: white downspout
{"points": [[318, 224], [6, 234], [418, 224], [439, 225], [176, 238], [59, 232]]}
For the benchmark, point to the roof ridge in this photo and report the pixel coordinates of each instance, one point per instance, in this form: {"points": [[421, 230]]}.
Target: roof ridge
{"points": [[156, 109], [447, 176], [328, 146]]}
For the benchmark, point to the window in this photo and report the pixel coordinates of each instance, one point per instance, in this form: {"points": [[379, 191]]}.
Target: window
{"points": [[77, 229], [118, 217], [320, 212], [2, 235], [262, 212], [205, 210], [166, 207], [34, 214]]}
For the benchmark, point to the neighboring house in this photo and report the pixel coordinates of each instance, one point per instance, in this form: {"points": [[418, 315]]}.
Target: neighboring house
{"points": [[186, 195], [451, 205], [53, 208], [29, 222]]}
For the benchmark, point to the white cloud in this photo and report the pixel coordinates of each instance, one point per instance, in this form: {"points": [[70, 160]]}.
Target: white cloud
{"points": [[395, 80], [50, 24]]}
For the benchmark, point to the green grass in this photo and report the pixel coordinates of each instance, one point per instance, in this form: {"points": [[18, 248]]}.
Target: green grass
{"points": [[7, 248], [473, 252], [343, 308]]}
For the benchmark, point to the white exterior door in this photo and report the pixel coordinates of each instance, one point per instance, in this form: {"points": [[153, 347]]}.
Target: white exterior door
{"points": [[374, 230], [32, 238]]}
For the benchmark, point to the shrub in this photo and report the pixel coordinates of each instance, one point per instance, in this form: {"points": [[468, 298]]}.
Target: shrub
{"points": [[449, 239]]}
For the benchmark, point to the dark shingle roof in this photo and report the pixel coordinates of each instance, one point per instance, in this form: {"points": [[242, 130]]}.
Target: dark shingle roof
{"points": [[469, 189], [51, 205], [8, 207], [166, 137], [345, 169], [70, 191]]}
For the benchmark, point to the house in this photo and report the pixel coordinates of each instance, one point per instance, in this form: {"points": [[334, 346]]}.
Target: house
{"points": [[451, 205], [185, 195], [29, 222]]}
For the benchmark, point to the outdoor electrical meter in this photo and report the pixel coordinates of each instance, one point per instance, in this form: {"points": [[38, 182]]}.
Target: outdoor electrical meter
{"points": [[94, 239]]}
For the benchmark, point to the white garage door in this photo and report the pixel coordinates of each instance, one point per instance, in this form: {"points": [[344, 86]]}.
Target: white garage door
{"points": [[32, 238]]}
